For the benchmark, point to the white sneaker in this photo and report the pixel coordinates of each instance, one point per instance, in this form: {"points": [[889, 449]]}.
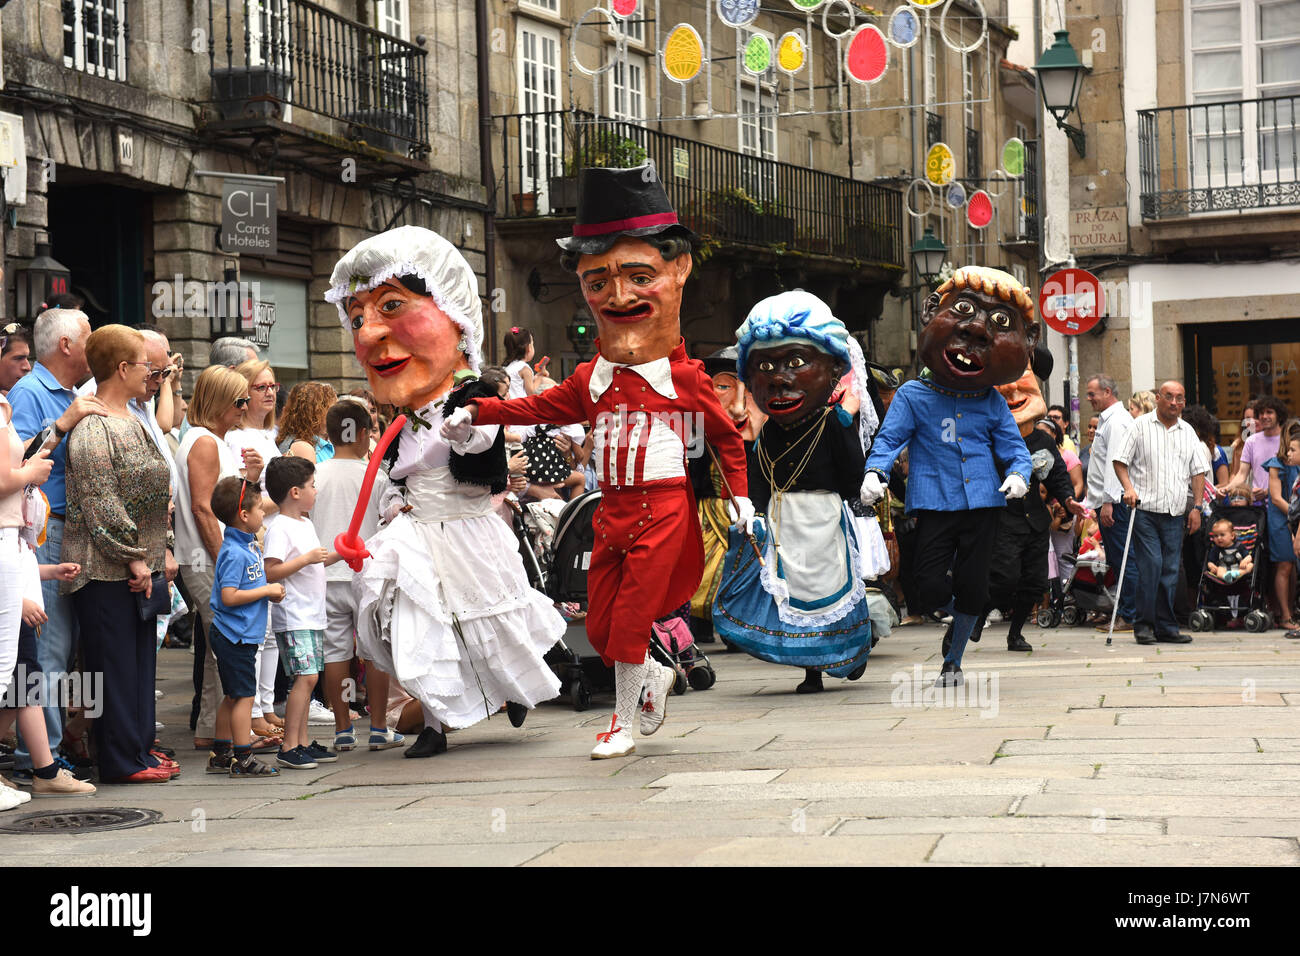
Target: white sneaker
{"points": [[157, 694], [615, 742], [10, 798], [319, 714], [654, 703], [157, 727]]}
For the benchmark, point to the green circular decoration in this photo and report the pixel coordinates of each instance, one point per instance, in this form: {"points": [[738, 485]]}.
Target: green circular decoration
{"points": [[807, 4], [1013, 157], [758, 54]]}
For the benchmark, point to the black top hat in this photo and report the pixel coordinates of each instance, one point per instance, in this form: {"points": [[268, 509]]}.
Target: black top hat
{"points": [[1042, 361], [613, 203], [723, 360]]}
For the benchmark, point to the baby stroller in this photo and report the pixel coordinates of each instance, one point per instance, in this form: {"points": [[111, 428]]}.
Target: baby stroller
{"points": [[1089, 585], [575, 662], [1214, 597]]}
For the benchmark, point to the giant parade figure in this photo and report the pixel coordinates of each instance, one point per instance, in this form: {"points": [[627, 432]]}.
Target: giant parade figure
{"points": [[647, 403], [444, 604], [966, 458]]}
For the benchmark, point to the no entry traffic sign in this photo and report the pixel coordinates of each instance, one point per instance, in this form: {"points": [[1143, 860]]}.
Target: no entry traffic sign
{"points": [[1071, 301]]}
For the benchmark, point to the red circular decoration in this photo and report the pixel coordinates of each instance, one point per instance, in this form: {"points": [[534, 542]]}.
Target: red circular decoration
{"points": [[979, 210], [867, 57], [624, 8], [1071, 301]]}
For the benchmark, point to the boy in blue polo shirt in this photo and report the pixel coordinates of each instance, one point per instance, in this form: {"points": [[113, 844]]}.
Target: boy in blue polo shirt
{"points": [[239, 606]]}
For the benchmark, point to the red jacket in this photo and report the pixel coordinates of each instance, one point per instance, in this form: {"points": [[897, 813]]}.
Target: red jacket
{"points": [[642, 436]]}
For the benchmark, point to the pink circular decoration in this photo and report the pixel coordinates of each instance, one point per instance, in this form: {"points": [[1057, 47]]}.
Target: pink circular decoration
{"points": [[979, 210], [624, 8], [867, 57]]}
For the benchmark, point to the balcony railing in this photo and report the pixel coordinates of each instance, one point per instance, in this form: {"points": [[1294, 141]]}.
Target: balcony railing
{"points": [[268, 58], [1219, 157], [1029, 213], [725, 195]]}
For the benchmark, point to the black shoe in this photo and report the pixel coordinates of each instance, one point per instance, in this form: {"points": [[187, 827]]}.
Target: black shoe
{"points": [[1179, 638], [947, 641], [858, 671], [1144, 637], [1017, 642], [949, 676], [429, 743], [812, 683], [517, 713]]}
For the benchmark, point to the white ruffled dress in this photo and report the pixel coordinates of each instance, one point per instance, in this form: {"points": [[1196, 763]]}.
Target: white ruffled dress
{"points": [[444, 603]]}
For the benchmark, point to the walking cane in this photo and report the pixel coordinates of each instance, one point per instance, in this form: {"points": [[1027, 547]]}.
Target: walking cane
{"points": [[1119, 584], [727, 485]]}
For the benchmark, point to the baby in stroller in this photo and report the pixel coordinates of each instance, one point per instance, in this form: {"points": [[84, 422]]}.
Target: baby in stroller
{"points": [[1229, 583], [1228, 560]]}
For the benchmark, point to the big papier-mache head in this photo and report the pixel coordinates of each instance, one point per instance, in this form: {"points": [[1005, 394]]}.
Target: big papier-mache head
{"points": [[632, 257], [978, 329], [411, 302], [791, 351], [1024, 397]]}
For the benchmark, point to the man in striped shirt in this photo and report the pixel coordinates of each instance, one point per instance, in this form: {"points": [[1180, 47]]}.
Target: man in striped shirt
{"points": [[1161, 465]]}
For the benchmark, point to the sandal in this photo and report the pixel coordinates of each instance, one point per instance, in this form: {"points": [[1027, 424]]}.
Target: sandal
{"points": [[270, 731], [204, 743], [262, 744]]}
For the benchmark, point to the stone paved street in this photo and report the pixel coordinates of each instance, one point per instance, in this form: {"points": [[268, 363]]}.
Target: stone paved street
{"points": [[1076, 754]]}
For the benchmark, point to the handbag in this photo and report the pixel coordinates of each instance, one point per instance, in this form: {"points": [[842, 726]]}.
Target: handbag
{"points": [[159, 600], [546, 466]]}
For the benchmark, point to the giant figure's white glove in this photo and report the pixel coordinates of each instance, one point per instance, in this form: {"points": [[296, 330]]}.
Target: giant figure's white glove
{"points": [[873, 489], [1014, 487], [745, 520], [458, 426]]}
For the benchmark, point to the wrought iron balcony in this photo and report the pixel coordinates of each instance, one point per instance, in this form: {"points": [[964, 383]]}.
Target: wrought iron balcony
{"points": [[1219, 157], [270, 59], [726, 196]]}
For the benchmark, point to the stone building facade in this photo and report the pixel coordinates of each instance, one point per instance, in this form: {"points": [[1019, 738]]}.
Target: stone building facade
{"points": [[367, 113]]}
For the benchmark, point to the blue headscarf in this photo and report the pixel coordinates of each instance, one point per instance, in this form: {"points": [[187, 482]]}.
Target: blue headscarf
{"points": [[799, 316]]}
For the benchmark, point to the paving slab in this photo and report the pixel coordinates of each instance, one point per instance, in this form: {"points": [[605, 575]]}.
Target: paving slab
{"points": [[1110, 849]]}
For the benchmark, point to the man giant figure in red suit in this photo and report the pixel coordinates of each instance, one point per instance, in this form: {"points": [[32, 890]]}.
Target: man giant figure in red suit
{"points": [[647, 403]]}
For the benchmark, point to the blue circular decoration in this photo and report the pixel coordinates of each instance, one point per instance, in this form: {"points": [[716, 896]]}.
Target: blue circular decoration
{"points": [[737, 13], [955, 195], [904, 27]]}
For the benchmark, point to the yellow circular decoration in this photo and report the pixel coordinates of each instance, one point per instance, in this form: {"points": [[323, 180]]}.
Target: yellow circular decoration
{"points": [[790, 53], [683, 53], [939, 164]]}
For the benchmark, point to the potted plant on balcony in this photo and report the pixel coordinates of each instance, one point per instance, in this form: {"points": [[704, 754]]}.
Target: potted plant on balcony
{"points": [[252, 91], [735, 214], [603, 148]]}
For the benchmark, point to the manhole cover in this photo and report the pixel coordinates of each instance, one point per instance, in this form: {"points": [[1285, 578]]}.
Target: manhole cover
{"points": [[80, 821]]}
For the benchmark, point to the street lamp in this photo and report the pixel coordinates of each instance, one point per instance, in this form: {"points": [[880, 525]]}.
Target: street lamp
{"points": [[928, 254], [1060, 78], [43, 279]]}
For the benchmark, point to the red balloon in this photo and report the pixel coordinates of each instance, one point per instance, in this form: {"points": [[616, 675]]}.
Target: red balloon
{"points": [[867, 57], [979, 211], [349, 545]]}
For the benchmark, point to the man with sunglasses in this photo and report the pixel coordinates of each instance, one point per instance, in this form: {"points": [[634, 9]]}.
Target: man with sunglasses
{"points": [[15, 355], [158, 403]]}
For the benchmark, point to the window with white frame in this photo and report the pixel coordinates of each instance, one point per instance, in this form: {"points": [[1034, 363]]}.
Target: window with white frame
{"points": [[94, 37], [1243, 50], [552, 6], [758, 139], [537, 58], [633, 27], [931, 67], [627, 89]]}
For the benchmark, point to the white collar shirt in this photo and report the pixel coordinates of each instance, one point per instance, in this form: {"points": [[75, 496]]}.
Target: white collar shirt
{"points": [[1162, 463], [657, 374], [1103, 484]]}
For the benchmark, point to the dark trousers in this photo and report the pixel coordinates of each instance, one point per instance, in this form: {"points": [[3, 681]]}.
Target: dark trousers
{"points": [[963, 542], [120, 653], [1017, 571], [1157, 549], [1112, 541]]}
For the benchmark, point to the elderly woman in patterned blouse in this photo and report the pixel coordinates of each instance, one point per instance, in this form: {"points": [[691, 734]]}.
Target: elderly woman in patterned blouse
{"points": [[118, 492]]}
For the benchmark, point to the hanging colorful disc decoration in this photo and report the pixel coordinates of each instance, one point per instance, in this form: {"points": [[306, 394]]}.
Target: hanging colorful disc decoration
{"points": [[790, 54], [867, 57], [955, 195], [1013, 157], [758, 55], [904, 27], [683, 53], [939, 164], [807, 6], [623, 8], [925, 3], [737, 13], [979, 211]]}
